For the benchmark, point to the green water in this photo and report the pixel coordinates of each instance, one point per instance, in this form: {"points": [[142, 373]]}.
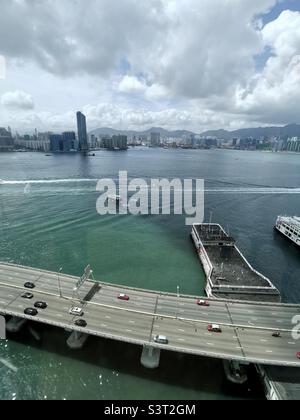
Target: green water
{"points": [[52, 225]]}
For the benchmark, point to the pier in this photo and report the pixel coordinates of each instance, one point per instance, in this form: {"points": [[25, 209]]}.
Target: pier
{"points": [[228, 274]]}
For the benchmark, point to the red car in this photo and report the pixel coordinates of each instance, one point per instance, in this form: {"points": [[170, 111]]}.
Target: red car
{"points": [[298, 355], [201, 302], [214, 328], [123, 297]]}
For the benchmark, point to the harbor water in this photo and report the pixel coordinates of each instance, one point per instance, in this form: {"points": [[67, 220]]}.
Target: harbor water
{"points": [[48, 220]]}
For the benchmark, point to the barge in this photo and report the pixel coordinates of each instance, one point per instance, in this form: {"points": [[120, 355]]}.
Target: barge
{"points": [[228, 274]]}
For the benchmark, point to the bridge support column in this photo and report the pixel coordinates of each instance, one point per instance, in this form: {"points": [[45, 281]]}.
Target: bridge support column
{"points": [[15, 324], [2, 328], [77, 340], [150, 358]]}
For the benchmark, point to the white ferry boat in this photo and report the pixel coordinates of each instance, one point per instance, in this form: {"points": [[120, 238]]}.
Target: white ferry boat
{"points": [[289, 227]]}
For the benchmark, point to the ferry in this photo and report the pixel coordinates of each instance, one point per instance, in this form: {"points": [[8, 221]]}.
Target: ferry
{"points": [[290, 228]]}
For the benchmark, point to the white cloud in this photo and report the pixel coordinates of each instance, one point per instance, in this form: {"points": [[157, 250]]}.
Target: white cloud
{"points": [[131, 84], [156, 92], [274, 94], [176, 63], [17, 99]]}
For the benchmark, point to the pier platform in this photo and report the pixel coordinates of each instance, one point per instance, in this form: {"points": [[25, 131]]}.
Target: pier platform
{"points": [[229, 275]]}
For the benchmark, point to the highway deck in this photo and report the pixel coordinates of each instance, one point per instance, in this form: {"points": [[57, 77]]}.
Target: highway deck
{"points": [[247, 327]]}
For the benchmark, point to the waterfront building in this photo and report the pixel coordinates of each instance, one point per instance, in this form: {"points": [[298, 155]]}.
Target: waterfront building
{"points": [[6, 140], [56, 143], [69, 141], [82, 132], [155, 139]]}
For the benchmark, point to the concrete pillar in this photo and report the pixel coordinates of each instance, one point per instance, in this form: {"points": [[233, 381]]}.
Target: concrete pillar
{"points": [[150, 357], [2, 328], [15, 324], [77, 340]]}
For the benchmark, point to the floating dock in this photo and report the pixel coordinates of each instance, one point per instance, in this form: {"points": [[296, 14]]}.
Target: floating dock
{"points": [[228, 274]]}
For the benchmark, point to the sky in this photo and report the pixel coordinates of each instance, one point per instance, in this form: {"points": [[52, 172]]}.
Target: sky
{"points": [[132, 64]]}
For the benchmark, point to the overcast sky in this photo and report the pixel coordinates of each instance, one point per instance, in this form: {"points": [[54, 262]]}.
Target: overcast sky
{"points": [[134, 64]]}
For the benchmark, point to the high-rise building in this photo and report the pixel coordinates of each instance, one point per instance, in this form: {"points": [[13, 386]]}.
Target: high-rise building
{"points": [[82, 132], [120, 142], [155, 139], [56, 143], [69, 141], [6, 140]]}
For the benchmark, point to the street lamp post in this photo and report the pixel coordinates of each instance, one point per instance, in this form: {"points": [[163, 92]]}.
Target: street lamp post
{"points": [[59, 283], [178, 298]]}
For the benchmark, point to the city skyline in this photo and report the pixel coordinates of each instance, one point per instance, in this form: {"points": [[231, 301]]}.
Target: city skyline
{"points": [[166, 72]]}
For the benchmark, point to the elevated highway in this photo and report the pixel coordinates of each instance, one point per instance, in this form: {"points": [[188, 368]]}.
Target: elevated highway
{"points": [[247, 328]]}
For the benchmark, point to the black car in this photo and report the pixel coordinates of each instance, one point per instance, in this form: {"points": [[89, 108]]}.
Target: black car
{"points": [[27, 296], [81, 323], [31, 312], [29, 285], [40, 305]]}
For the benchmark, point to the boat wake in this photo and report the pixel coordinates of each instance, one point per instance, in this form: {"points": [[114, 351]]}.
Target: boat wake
{"points": [[210, 190]]}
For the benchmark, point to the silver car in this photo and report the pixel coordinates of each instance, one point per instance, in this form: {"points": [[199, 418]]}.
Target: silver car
{"points": [[76, 311], [161, 339]]}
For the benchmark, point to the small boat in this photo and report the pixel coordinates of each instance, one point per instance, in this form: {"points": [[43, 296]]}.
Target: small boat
{"points": [[116, 198]]}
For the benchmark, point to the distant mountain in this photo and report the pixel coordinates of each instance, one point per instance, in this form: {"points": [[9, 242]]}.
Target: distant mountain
{"points": [[291, 130], [164, 133]]}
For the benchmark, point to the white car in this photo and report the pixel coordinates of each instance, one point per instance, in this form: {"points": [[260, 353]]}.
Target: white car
{"points": [[76, 311], [161, 339]]}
